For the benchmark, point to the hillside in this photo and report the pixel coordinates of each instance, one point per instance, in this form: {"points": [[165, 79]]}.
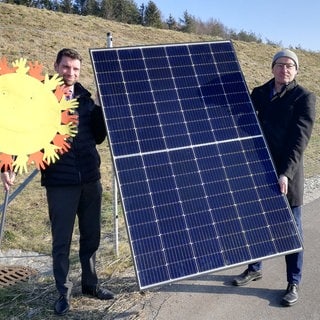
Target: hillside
{"points": [[37, 35]]}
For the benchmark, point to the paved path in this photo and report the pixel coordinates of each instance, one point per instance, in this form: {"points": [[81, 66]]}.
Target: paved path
{"points": [[213, 297]]}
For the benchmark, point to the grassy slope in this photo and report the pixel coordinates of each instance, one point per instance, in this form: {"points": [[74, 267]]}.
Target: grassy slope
{"points": [[37, 35]]}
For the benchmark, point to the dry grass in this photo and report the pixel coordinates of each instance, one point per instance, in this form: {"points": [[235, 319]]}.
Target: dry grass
{"points": [[37, 35]]}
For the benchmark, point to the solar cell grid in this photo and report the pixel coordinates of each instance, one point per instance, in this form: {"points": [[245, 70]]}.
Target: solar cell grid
{"points": [[197, 183]]}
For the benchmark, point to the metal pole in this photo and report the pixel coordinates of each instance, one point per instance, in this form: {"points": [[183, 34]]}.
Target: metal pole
{"points": [[8, 199], [109, 40], [3, 217], [21, 186], [114, 187], [115, 214]]}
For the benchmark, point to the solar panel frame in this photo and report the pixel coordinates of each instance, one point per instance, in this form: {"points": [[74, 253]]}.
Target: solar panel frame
{"points": [[195, 175]]}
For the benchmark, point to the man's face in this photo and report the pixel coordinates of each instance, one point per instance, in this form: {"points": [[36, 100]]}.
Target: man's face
{"points": [[284, 70], [69, 70]]}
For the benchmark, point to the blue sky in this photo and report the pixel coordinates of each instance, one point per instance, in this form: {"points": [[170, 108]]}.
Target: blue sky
{"points": [[291, 23]]}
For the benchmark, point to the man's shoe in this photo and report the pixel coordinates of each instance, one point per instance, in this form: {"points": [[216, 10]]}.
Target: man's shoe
{"points": [[100, 293], [61, 306], [246, 277], [291, 297]]}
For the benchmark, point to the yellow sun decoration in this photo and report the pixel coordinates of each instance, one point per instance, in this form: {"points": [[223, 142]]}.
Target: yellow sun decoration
{"points": [[36, 119]]}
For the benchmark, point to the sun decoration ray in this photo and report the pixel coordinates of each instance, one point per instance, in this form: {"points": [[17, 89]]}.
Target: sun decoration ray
{"points": [[36, 119]]}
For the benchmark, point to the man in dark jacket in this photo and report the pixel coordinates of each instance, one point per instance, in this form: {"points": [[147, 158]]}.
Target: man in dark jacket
{"points": [[73, 189], [286, 112]]}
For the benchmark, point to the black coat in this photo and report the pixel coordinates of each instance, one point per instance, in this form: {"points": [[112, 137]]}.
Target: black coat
{"points": [[287, 120], [81, 164]]}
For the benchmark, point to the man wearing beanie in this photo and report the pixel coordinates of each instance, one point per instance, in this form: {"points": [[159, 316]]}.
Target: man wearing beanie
{"points": [[286, 112]]}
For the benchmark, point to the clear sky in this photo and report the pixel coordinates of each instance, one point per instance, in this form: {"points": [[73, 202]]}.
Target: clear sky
{"points": [[293, 23]]}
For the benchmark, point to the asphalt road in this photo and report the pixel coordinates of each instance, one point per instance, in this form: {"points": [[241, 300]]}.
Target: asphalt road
{"points": [[213, 297]]}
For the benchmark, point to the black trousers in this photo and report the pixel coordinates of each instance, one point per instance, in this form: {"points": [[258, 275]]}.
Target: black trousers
{"points": [[65, 203]]}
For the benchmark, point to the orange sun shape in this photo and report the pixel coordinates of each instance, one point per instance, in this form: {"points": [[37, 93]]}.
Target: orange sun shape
{"points": [[36, 120]]}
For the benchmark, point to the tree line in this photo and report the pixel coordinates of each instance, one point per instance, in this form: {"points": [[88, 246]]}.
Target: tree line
{"points": [[148, 15]]}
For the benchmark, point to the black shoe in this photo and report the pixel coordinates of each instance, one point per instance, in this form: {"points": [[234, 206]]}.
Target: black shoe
{"points": [[61, 306], [291, 297], [100, 293], [246, 277]]}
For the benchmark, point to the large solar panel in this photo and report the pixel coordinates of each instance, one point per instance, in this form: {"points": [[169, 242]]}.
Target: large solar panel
{"points": [[197, 183]]}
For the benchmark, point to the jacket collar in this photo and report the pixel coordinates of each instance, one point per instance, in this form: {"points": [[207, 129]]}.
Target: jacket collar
{"points": [[286, 88]]}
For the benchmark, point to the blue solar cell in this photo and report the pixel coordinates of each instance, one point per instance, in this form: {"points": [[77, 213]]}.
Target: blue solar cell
{"points": [[221, 214], [181, 261], [154, 245], [277, 217], [160, 73], [252, 223], [171, 118], [197, 183], [137, 203], [145, 215], [245, 210], [202, 220], [142, 231], [165, 95], [242, 180], [266, 247], [134, 55], [209, 261], [174, 54], [181, 71], [137, 98], [195, 102], [227, 67], [150, 260], [168, 107], [168, 210], [145, 109], [154, 52], [170, 240], [165, 197], [134, 75], [156, 63], [161, 84]]}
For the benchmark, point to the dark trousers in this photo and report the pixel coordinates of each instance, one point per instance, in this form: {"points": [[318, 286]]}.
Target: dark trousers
{"points": [[65, 203], [294, 261]]}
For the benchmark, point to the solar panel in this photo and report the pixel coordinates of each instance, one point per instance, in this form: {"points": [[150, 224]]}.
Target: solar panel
{"points": [[197, 183]]}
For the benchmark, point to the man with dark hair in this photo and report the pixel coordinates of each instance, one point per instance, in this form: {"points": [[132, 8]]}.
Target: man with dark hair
{"points": [[73, 189], [286, 112]]}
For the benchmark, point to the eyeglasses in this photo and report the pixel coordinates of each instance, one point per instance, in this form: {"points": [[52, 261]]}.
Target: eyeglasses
{"points": [[287, 65]]}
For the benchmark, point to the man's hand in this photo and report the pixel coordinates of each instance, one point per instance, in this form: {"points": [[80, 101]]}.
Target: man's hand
{"points": [[97, 100], [283, 183], [8, 178]]}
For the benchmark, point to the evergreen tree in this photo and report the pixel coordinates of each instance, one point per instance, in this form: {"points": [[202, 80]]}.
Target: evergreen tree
{"points": [[188, 23], [66, 6], [125, 11], [91, 8], [171, 22], [152, 16], [142, 11], [106, 9]]}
